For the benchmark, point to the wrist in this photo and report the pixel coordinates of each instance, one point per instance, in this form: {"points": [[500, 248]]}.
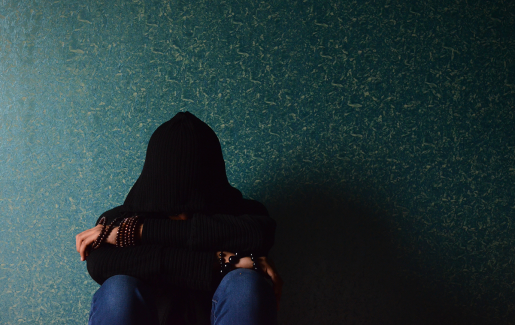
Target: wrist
{"points": [[111, 239], [139, 232], [224, 266], [226, 256], [129, 231]]}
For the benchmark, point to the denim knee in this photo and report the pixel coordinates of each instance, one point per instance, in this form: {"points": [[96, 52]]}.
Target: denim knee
{"points": [[123, 299], [119, 292], [244, 297], [245, 283]]}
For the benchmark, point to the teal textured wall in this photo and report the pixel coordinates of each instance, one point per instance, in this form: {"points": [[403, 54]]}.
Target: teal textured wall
{"points": [[378, 133]]}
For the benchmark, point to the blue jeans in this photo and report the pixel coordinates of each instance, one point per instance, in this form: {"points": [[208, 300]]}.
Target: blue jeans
{"points": [[243, 297]]}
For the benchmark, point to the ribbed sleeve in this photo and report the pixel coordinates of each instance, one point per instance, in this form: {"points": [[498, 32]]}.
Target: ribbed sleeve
{"points": [[153, 264], [245, 233], [181, 252], [164, 231], [142, 262]]}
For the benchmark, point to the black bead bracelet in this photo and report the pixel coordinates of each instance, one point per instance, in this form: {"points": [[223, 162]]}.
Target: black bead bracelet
{"points": [[233, 260], [106, 231], [224, 267], [254, 262]]}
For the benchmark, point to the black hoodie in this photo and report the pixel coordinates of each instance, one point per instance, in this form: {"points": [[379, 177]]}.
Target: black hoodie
{"points": [[184, 171]]}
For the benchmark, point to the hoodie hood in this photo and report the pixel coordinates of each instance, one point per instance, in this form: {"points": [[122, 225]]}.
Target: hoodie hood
{"points": [[184, 171]]}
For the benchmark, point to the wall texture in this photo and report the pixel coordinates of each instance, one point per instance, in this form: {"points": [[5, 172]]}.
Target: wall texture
{"points": [[378, 133]]}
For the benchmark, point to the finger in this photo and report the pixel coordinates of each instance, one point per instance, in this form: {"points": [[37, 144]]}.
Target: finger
{"points": [[276, 280], [80, 237], [245, 263], [78, 241], [278, 286], [82, 250], [84, 245]]}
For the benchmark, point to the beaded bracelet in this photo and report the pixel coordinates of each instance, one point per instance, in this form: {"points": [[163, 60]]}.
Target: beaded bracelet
{"points": [[254, 262], [126, 235], [129, 240], [119, 231], [120, 234], [133, 226], [101, 236], [233, 260], [104, 234], [224, 267]]}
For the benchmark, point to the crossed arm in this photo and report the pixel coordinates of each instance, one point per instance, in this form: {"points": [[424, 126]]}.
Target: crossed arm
{"points": [[169, 244]]}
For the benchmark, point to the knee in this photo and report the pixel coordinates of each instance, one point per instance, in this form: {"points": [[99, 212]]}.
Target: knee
{"points": [[123, 300], [246, 284], [244, 297], [119, 291], [244, 276]]}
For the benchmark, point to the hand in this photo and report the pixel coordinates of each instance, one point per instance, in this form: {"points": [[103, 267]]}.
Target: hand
{"points": [[85, 239], [182, 216], [268, 268]]}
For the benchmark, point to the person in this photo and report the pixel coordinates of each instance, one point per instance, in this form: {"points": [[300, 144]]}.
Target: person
{"points": [[185, 247]]}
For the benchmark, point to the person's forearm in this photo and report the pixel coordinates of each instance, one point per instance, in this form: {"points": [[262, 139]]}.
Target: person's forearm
{"points": [[205, 233], [112, 236], [153, 264]]}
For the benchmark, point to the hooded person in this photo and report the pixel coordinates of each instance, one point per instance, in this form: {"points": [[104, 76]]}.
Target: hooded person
{"points": [[184, 171], [172, 238]]}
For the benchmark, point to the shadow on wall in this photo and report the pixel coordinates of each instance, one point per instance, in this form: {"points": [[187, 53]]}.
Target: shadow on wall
{"points": [[341, 264]]}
